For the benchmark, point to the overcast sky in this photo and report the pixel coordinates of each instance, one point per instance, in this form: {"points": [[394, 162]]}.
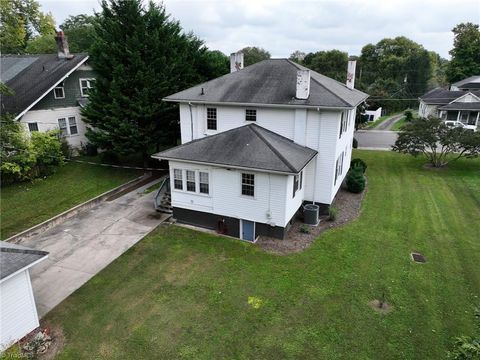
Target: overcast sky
{"points": [[283, 26]]}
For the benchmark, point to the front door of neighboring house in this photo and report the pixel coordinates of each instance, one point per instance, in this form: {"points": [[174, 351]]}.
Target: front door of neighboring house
{"points": [[247, 229]]}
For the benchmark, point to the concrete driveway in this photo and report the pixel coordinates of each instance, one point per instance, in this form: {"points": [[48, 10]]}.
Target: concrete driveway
{"points": [[82, 246], [375, 139]]}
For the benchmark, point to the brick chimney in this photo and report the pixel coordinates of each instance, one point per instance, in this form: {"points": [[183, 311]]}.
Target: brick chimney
{"points": [[352, 64], [303, 84], [62, 46], [236, 61]]}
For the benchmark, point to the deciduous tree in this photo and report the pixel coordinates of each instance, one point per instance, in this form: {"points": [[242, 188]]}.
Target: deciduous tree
{"points": [[465, 53], [253, 54], [439, 143]]}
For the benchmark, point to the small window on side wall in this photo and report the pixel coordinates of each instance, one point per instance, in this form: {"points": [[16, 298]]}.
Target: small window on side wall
{"points": [[59, 91], [72, 124], [248, 184], [204, 188], [86, 85], [32, 127], [62, 125], [191, 181], [177, 179], [250, 115], [211, 118]]}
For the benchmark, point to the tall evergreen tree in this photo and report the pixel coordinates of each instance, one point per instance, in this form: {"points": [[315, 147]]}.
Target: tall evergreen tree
{"points": [[140, 56]]}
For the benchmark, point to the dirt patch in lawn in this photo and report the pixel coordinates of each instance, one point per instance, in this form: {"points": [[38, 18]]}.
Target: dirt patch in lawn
{"points": [[380, 306], [348, 207]]}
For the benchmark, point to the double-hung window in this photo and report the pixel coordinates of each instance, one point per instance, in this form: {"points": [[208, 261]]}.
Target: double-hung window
{"points": [[72, 124], [177, 179], [86, 85], [296, 180], [59, 91], [67, 126], [62, 125], [339, 167], [343, 123], [211, 118], [203, 180], [191, 181], [248, 184], [250, 115]]}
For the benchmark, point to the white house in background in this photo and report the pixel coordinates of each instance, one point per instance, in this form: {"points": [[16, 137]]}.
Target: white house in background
{"points": [[49, 90], [373, 115], [258, 143], [18, 312], [459, 106]]}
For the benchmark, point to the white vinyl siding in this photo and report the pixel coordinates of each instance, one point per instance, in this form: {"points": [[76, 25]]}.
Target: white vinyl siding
{"points": [[269, 205], [48, 120], [18, 315]]}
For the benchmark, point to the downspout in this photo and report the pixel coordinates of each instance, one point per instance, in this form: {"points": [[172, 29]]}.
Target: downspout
{"points": [[191, 120], [316, 159]]}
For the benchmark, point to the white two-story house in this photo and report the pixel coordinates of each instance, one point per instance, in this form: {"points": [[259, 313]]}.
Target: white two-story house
{"points": [[258, 143]]}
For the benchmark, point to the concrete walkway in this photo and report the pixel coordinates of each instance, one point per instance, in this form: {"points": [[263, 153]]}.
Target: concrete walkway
{"points": [[388, 123], [85, 244]]}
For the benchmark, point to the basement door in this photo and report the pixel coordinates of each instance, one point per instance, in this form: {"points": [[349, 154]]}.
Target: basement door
{"points": [[247, 230]]}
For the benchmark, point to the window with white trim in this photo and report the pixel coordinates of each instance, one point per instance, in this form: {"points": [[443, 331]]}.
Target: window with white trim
{"points": [[62, 125], [248, 184], [203, 181], [301, 180], [343, 124], [32, 127], [212, 118], [72, 125], [250, 115], [296, 184], [177, 179], [339, 167], [191, 186], [86, 85], [59, 91]]}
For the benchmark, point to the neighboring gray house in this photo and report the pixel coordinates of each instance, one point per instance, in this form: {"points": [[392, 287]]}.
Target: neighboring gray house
{"points": [[18, 312], [49, 90], [258, 143], [459, 106]]}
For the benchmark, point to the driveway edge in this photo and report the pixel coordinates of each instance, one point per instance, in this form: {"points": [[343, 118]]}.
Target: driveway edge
{"points": [[67, 214]]}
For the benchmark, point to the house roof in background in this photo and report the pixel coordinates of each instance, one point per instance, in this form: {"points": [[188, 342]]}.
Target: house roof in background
{"points": [[271, 82], [15, 257], [461, 106], [440, 96], [250, 146], [471, 79], [31, 76]]}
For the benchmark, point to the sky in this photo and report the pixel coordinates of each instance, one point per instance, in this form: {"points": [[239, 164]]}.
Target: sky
{"points": [[283, 26]]}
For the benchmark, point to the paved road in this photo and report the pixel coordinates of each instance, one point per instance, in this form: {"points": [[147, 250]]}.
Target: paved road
{"points": [[375, 139], [388, 124], [83, 245]]}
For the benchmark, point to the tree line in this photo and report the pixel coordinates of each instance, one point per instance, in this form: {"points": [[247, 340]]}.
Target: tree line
{"points": [[141, 55]]}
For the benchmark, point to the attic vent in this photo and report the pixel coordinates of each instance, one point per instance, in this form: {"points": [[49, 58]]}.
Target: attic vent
{"points": [[418, 258]]}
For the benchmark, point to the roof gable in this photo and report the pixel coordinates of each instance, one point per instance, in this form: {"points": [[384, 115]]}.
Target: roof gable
{"points": [[31, 77], [250, 146], [271, 82], [14, 258]]}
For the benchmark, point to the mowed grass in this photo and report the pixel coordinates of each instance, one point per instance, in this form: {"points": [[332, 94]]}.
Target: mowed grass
{"points": [[26, 204], [182, 294]]}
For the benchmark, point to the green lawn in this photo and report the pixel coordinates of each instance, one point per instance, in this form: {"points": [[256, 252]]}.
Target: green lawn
{"points": [[26, 204], [181, 294]]}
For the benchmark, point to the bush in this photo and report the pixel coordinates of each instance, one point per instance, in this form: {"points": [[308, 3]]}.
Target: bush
{"points": [[355, 180], [332, 213], [358, 163], [304, 229], [66, 149], [48, 152], [355, 143], [408, 115], [465, 348], [109, 157], [89, 149]]}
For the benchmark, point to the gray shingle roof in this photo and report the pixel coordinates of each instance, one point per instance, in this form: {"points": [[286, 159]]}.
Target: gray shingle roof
{"points": [[271, 82], [30, 76], [250, 146], [461, 106], [471, 79], [441, 96], [15, 257]]}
